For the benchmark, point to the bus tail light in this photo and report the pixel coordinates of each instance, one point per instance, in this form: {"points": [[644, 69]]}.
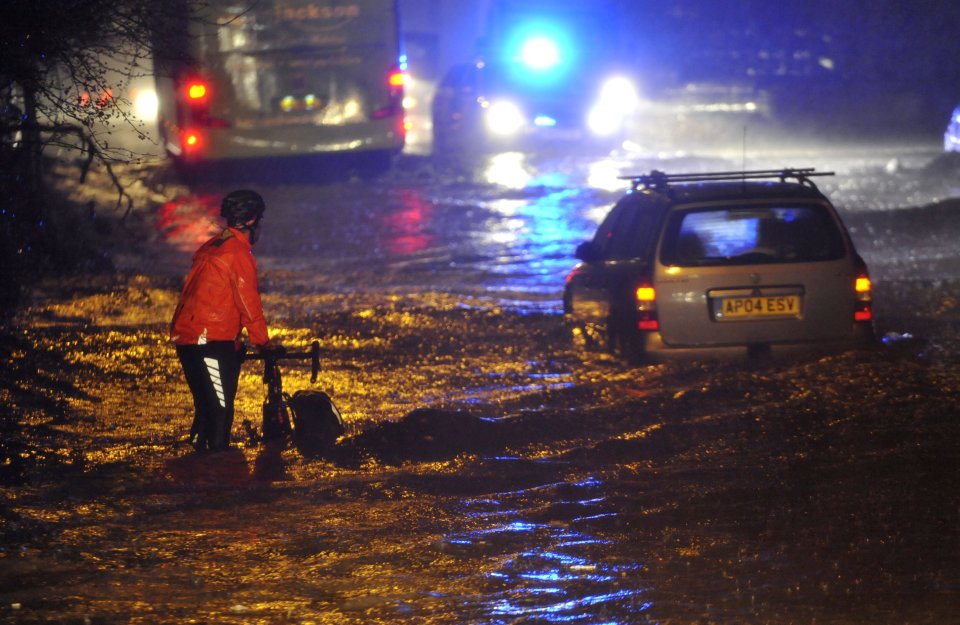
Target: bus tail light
{"points": [[196, 92], [191, 141], [646, 301], [396, 79], [196, 96]]}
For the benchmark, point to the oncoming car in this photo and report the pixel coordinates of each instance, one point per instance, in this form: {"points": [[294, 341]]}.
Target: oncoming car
{"points": [[509, 105], [725, 264], [951, 138]]}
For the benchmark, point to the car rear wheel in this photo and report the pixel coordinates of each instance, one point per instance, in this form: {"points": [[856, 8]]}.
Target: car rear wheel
{"points": [[624, 343]]}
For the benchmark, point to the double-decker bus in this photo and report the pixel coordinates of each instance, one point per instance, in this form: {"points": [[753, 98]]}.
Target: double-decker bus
{"points": [[247, 79]]}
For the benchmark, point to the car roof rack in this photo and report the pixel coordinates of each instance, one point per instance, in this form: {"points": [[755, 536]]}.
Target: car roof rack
{"points": [[659, 180]]}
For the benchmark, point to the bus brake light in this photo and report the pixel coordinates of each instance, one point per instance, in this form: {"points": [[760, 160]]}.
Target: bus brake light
{"points": [[196, 91], [191, 141], [397, 79]]}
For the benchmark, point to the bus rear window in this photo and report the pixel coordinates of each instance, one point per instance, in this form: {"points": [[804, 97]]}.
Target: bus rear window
{"points": [[299, 62], [299, 23]]}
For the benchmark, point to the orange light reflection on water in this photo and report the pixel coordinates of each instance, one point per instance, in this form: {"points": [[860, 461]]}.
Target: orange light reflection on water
{"points": [[188, 221]]}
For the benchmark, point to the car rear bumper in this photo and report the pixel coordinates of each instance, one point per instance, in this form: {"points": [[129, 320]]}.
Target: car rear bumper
{"points": [[655, 350]]}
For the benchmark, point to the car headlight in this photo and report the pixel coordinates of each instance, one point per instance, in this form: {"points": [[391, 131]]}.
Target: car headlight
{"points": [[619, 92], [617, 100], [504, 118], [604, 120]]}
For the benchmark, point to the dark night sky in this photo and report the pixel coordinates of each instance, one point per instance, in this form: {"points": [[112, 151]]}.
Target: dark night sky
{"points": [[891, 61], [875, 39]]}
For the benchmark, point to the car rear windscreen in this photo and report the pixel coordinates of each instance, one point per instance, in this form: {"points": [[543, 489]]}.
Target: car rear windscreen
{"points": [[751, 235]]}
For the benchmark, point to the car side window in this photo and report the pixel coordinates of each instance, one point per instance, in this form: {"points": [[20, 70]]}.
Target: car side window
{"points": [[639, 237], [631, 231], [624, 235], [450, 79], [458, 77], [603, 237]]}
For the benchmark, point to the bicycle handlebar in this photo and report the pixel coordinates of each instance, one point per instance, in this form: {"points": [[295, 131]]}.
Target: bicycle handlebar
{"points": [[313, 355]]}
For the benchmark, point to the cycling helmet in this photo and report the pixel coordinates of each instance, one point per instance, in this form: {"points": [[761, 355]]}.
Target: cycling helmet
{"points": [[239, 207]]}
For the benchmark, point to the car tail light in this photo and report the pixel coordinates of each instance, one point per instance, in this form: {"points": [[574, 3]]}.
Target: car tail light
{"points": [[646, 300], [863, 290]]}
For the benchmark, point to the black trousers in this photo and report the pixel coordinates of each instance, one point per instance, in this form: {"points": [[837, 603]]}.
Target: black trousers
{"points": [[212, 372]]}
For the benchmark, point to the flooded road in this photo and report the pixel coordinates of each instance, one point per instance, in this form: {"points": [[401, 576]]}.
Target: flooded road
{"points": [[492, 472]]}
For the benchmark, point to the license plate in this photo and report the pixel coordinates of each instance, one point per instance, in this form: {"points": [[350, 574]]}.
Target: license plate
{"points": [[761, 306]]}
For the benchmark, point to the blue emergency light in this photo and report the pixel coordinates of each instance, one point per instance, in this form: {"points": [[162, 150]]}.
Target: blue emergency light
{"points": [[540, 45], [540, 53]]}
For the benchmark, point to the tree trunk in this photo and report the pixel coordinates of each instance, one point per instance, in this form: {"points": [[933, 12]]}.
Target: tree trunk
{"points": [[32, 161]]}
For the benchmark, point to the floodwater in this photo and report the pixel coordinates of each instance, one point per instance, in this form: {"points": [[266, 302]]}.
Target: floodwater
{"points": [[492, 471]]}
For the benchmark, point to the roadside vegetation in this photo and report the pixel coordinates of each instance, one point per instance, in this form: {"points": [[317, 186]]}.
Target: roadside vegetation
{"points": [[64, 69]]}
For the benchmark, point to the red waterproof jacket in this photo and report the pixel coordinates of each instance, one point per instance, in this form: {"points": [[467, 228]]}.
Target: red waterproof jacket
{"points": [[221, 295]]}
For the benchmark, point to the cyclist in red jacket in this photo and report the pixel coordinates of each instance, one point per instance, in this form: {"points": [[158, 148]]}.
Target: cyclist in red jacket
{"points": [[221, 296]]}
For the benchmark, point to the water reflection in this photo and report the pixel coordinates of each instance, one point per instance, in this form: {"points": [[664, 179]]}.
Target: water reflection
{"points": [[523, 383], [509, 169], [554, 563], [535, 237], [188, 221], [408, 223], [547, 208], [511, 229], [604, 174]]}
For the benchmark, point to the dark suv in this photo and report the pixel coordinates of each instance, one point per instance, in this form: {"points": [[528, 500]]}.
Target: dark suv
{"points": [[721, 264], [497, 106]]}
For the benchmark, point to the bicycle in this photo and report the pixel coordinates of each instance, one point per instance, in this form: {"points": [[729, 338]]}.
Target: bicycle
{"points": [[309, 417]]}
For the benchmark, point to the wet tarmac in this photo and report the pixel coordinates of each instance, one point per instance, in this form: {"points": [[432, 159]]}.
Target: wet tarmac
{"points": [[492, 471]]}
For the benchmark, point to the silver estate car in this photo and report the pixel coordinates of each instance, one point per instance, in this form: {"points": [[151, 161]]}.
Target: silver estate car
{"points": [[752, 263]]}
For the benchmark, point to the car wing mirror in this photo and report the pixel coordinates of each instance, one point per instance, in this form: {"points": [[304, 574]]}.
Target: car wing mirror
{"points": [[587, 252]]}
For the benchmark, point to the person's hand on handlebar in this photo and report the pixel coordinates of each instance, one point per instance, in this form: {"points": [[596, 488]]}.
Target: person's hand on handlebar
{"points": [[273, 351]]}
